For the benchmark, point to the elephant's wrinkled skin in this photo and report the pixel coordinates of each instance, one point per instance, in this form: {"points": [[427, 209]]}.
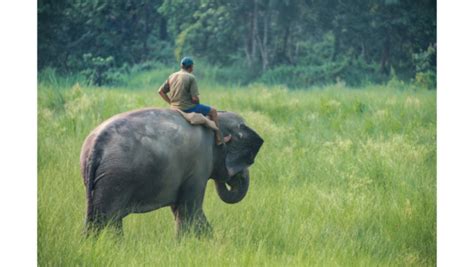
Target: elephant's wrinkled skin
{"points": [[146, 159]]}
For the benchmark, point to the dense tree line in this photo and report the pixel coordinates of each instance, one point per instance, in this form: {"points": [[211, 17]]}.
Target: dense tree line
{"points": [[312, 40]]}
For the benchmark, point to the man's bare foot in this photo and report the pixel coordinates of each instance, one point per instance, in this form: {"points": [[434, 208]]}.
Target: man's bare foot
{"points": [[226, 139]]}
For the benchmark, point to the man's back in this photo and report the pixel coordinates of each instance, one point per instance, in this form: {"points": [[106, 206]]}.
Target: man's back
{"points": [[182, 87]]}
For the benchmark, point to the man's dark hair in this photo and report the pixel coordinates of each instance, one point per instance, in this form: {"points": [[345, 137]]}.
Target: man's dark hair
{"points": [[186, 62]]}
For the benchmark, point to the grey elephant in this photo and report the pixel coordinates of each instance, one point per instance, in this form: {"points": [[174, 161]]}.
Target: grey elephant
{"points": [[146, 159]]}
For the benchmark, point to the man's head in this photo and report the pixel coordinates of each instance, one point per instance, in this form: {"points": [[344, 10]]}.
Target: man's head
{"points": [[187, 64]]}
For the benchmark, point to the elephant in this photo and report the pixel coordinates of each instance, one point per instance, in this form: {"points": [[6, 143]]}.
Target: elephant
{"points": [[146, 159]]}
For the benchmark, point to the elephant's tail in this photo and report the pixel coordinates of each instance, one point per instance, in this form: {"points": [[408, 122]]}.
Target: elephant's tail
{"points": [[89, 190], [90, 178]]}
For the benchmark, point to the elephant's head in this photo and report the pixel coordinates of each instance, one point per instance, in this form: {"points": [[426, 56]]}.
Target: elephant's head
{"points": [[231, 169]]}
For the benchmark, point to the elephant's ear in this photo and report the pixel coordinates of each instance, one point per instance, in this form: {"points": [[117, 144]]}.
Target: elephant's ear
{"points": [[242, 149]]}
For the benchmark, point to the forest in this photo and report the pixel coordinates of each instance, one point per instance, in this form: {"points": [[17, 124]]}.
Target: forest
{"points": [[297, 43]]}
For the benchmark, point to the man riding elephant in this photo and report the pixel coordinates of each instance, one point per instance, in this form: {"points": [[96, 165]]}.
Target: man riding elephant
{"points": [[180, 90]]}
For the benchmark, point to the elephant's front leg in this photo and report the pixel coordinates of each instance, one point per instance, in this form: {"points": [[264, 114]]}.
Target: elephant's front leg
{"points": [[188, 212]]}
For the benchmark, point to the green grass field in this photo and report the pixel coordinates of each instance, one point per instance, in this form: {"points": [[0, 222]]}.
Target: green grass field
{"points": [[346, 177]]}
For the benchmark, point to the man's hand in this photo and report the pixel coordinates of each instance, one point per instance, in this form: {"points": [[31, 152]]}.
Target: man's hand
{"points": [[195, 99], [165, 97]]}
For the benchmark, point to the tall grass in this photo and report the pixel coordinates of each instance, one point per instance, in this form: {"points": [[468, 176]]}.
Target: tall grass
{"points": [[345, 177]]}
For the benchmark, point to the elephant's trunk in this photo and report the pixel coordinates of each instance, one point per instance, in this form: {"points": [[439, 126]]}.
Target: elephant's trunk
{"points": [[238, 187]]}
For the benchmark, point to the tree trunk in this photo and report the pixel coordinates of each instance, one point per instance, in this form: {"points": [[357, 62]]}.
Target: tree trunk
{"points": [[163, 29], [385, 58], [263, 42], [264, 46], [254, 32], [286, 40], [147, 33], [250, 42]]}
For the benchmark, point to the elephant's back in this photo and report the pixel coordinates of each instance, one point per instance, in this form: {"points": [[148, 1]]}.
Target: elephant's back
{"points": [[132, 142], [149, 126], [129, 129], [132, 124]]}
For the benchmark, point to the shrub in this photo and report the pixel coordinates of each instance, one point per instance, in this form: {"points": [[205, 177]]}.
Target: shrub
{"points": [[302, 76], [425, 64], [426, 79], [97, 69]]}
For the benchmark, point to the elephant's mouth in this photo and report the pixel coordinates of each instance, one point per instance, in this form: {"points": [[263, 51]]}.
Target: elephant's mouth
{"points": [[235, 189]]}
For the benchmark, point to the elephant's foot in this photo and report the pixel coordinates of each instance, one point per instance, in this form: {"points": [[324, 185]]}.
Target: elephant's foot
{"points": [[97, 223], [195, 228], [191, 223], [202, 228]]}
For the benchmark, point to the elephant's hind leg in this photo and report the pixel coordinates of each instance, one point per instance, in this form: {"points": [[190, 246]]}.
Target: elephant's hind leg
{"points": [[109, 207]]}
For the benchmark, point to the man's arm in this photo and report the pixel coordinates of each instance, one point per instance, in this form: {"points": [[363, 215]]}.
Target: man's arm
{"points": [[164, 89], [194, 92], [165, 97]]}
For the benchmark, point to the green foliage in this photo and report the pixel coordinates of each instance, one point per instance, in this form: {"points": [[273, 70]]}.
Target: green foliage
{"points": [[147, 76], [301, 76], [425, 63], [236, 74], [97, 69], [345, 177], [128, 31], [182, 42], [356, 42], [319, 53], [394, 81], [426, 79], [425, 60], [51, 78]]}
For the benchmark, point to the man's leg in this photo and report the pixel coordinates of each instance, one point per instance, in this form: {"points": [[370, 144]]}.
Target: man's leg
{"points": [[214, 117], [212, 113]]}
